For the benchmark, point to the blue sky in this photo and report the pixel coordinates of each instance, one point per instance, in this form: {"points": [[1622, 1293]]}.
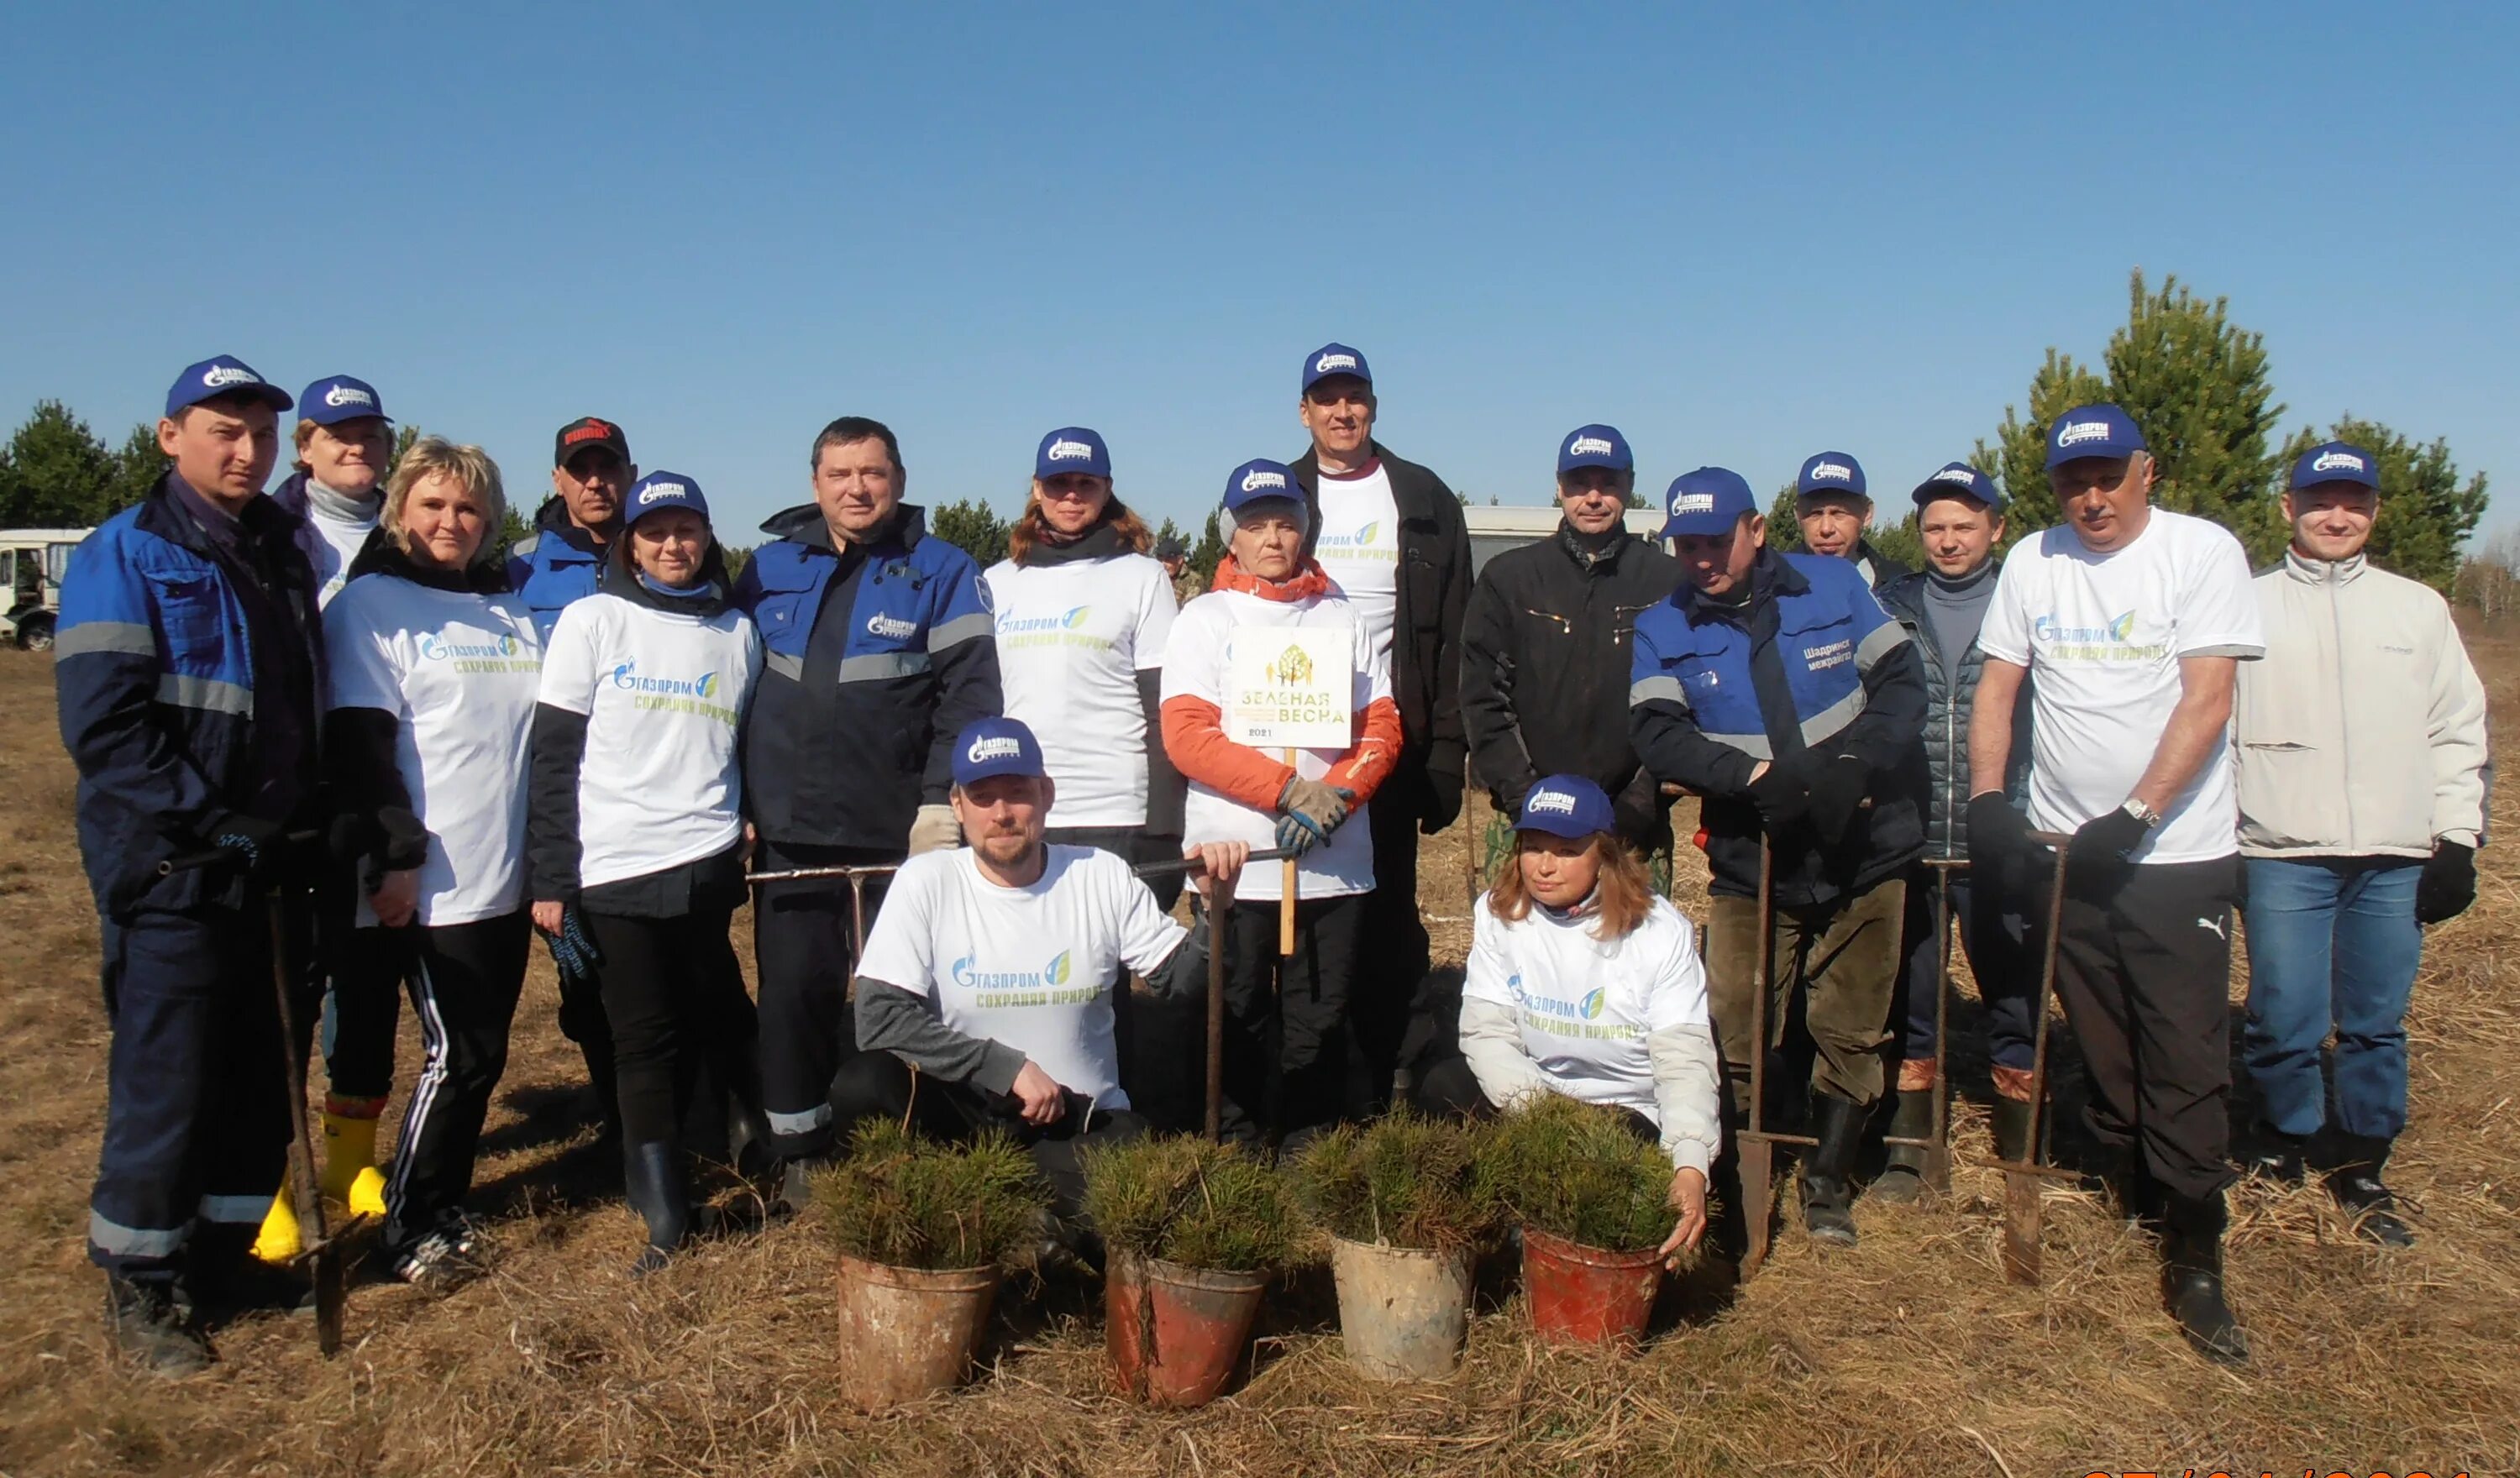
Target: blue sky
{"points": [[1741, 236]]}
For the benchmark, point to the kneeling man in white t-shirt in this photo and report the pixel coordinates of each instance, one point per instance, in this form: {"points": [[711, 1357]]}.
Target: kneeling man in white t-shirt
{"points": [[991, 971]]}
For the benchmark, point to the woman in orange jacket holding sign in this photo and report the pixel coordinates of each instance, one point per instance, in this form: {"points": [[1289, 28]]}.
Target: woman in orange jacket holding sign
{"points": [[1279, 713]]}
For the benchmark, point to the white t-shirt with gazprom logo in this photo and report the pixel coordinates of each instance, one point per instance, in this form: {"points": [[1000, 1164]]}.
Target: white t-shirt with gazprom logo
{"points": [[2102, 636], [1072, 641], [1032, 969], [663, 694], [1360, 549], [1587, 1007], [459, 673]]}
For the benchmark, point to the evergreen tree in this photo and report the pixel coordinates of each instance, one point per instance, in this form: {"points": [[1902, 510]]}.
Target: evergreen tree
{"points": [[2018, 458], [2426, 513], [2197, 385], [971, 526], [136, 468], [1207, 552], [56, 473]]}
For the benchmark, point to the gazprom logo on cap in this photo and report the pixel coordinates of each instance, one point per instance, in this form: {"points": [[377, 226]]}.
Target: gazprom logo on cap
{"points": [[1692, 503], [1070, 451], [1590, 446], [1833, 472], [661, 490], [994, 747], [1959, 474], [348, 394], [1261, 477], [2338, 461], [2076, 432], [228, 374], [1551, 803], [1329, 363]]}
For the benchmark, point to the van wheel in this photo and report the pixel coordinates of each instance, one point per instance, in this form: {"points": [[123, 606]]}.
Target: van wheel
{"points": [[36, 634]]}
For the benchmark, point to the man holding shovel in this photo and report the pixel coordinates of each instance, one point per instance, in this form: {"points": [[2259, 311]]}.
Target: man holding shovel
{"points": [[189, 668], [985, 998], [1775, 687], [2130, 621]]}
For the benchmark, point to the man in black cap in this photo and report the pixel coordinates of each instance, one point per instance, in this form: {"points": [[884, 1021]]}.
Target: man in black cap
{"points": [[1390, 536], [1174, 557]]}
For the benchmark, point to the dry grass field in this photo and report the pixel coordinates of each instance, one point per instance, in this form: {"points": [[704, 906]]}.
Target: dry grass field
{"points": [[1909, 1356]]}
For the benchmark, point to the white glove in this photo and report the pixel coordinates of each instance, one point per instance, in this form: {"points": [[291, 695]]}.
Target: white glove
{"points": [[934, 831]]}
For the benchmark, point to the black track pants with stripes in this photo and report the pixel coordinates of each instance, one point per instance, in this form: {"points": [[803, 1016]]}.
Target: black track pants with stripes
{"points": [[464, 980]]}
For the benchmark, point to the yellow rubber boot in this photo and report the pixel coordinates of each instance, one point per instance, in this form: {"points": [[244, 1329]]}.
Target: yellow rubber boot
{"points": [[350, 1174], [277, 1240]]}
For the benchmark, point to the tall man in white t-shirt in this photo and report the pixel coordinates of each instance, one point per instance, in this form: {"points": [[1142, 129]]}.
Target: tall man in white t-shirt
{"points": [[984, 1001], [1389, 535], [2132, 622]]}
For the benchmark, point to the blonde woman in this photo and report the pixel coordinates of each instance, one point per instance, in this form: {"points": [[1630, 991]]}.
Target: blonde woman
{"points": [[434, 666], [1585, 981]]}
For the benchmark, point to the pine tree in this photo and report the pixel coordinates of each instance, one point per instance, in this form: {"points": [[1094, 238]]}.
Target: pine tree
{"points": [[2426, 513], [1207, 552], [136, 468], [971, 526], [2197, 386], [2018, 458], [58, 475]]}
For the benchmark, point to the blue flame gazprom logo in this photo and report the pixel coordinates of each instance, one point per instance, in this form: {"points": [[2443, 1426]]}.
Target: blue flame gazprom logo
{"points": [[435, 648], [1057, 973], [1071, 619], [626, 678]]}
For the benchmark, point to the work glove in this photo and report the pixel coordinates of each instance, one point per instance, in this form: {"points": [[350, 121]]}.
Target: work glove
{"points": [[256, 844], [1998, 844], [934, 831], [2449, 883], [2106, 838], [1443, 802], [1782, 797], [1836, 793], [572, 950], [1309, 811]]}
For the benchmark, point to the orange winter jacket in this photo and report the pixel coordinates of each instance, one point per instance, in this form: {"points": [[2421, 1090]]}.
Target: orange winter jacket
{"points": [[1195, 727]]}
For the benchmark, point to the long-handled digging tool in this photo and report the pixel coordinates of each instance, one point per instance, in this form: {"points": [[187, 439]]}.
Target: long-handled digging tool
{"points": [[1218, 908], [320, 1247], [1938, 1140], [1755, 1144], [2023, 1178]]}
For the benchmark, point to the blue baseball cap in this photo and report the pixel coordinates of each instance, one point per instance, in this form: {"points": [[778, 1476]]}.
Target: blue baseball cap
{"points": [[1830, 472], [1963, 479], [337, 398], [1565, 805], [659, 491], [996, 746], [1072, 449], [1334, 359], [1707, 501], [2335, 462], [222, 375], [2092, 430], [1257, 481], [1596, 445]]}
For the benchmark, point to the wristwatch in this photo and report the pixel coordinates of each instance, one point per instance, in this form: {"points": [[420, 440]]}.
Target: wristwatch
{"points": [[2150, 817]]}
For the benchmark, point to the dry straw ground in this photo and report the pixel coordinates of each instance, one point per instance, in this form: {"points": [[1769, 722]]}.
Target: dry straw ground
{"points": [[1910, 1355]]}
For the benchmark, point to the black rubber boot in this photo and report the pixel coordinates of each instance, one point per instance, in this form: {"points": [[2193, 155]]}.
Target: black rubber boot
{"points": [[658, 1184], [2277, 1157], [1903, 1177], [2011, 1124], [2355, 1182], [142, 1326], [2191, 1279], [1827, 1196]]}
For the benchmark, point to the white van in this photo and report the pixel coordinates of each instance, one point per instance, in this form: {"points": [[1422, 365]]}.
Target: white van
{"points": [[1494, 530]]}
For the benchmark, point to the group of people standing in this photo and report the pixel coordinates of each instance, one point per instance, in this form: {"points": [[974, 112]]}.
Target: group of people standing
{"points": [[348, 701]]}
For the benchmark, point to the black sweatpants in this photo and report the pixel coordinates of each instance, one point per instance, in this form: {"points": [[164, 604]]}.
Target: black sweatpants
{"points": [[363, 1010], [465, 979], [1392, 963], [880, 1086], [1995, 942], [804, 944], [1286, 1030], [682, 1023], [2143, 965]]}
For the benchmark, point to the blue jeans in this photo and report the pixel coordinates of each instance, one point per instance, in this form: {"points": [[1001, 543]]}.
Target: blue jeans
{"points": [[2333, 943]]}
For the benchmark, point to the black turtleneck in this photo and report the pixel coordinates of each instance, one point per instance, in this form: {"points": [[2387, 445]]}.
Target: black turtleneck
{"points": [[1955, 609]]}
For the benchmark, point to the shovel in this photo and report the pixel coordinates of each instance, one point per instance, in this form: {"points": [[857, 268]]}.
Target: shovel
{"points": [[1756, 1146], [2023, 1178]]}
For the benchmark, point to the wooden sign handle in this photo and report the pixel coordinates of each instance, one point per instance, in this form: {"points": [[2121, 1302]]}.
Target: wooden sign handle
{"points": [[1286, 896]]}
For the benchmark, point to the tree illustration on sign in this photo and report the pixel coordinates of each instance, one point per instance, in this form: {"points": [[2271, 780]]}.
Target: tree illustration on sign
{"points": [[1293, 668]]}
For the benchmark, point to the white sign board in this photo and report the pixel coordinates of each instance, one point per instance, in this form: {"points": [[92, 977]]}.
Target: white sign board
{"points": [[1291, 686]]}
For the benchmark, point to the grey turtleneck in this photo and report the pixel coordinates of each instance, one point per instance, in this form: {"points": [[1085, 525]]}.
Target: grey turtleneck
{"points": [[1956, 609]]}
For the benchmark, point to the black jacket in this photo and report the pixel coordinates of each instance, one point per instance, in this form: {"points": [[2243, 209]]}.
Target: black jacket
{"points": [[1433, 591], [1878, 567], [1544, 658], [1949, 703]]}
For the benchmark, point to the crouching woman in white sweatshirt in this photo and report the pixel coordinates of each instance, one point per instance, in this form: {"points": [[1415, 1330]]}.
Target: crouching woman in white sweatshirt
{"points": [[1583, 981]]}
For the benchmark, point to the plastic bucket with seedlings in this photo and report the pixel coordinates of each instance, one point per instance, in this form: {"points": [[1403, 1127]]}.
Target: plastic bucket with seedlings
{"points": [[908, 1333], [1175, 1335], [1194, 1231], [1404, 1311], [1583, 1295], [923, 1231]]}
